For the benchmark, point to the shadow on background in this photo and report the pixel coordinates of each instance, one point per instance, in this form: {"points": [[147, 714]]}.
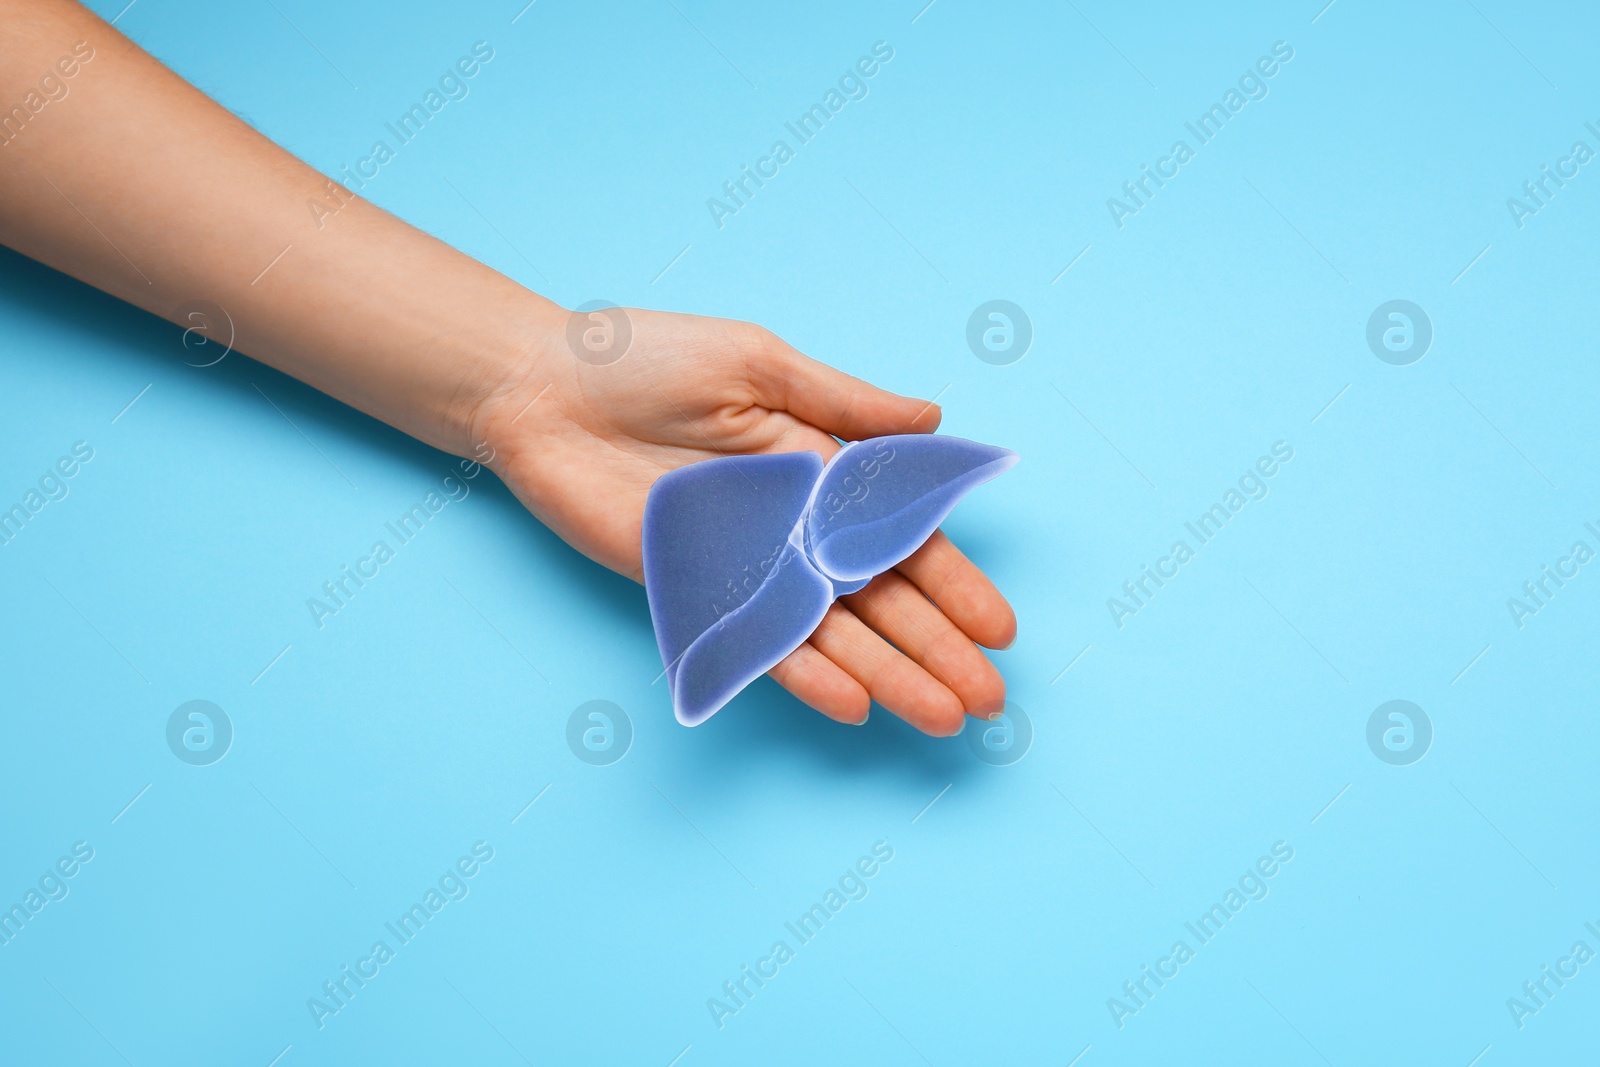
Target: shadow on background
{"points": [[762, 726]]}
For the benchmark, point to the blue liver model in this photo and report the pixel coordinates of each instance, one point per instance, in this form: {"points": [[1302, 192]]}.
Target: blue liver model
{"points": [[743, 555]]}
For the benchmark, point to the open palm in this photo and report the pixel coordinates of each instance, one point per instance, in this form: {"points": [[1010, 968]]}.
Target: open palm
{"points": [[582, 440]]}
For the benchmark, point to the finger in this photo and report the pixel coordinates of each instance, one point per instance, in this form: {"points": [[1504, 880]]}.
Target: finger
{"points": [[964, 592], [823, 684], [834, 401], [893, 680], [897, 609]]}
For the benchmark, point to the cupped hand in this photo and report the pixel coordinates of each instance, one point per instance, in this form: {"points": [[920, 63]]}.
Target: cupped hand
{"points": [[582, 440]]}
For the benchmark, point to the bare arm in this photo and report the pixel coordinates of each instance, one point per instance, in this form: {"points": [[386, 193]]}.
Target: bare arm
{"points": [[139, 184], [120, 173]]}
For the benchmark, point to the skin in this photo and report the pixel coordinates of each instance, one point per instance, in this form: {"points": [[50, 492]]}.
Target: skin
{"points": [[482, 367]]}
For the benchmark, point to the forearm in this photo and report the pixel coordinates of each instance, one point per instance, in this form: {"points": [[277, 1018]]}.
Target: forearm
{"points": [[133, 181]]}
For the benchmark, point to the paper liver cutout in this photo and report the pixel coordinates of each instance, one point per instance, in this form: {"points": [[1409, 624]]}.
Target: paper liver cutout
{"points": [[743, 554]]}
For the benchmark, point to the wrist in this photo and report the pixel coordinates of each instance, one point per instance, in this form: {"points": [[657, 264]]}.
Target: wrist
{"points": [[513, 350]]}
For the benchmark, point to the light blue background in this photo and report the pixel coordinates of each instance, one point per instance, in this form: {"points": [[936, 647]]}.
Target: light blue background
{"points": [[1223, 717]]}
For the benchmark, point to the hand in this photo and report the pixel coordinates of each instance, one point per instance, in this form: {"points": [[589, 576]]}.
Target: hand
{"points": [[581, 444]]}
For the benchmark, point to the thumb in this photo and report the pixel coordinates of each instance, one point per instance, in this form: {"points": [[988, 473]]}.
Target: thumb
{"points": [[836, 402]]}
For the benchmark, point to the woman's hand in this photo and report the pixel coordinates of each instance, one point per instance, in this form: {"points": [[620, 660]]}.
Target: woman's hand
{"points": [[330, 297], [581, 441]]}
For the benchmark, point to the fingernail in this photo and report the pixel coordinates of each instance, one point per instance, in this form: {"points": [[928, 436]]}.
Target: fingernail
{"points": [[864, 719], [990, 711], [1009, 645]]}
